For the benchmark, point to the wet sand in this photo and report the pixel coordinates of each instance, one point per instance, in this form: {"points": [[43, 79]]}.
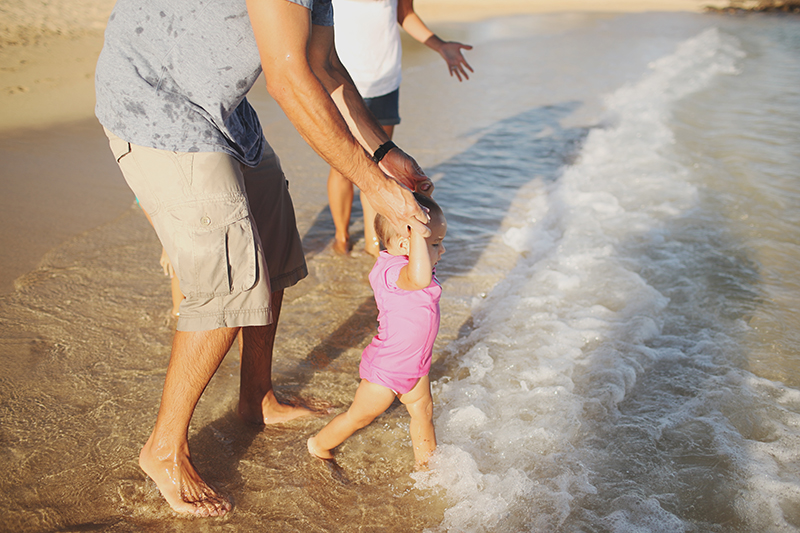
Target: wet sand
{"points": [[86, 332]]}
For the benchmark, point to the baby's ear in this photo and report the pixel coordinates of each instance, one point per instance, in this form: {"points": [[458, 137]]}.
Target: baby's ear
{"points": [[403, 243]]}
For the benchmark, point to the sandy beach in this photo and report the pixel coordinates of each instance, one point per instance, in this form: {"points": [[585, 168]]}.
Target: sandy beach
{"points": [[48, 49], [84, 304]]}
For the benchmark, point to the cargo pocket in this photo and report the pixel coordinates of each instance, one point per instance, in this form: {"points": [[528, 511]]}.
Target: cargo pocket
{"points": [[221, 257]]}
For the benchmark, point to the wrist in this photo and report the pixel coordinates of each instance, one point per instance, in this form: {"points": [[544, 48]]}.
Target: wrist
{"points": [[382, 150], [435, 43]]}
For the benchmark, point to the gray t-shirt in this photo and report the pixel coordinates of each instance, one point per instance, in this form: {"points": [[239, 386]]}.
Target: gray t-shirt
{"points": [[173, 75]]}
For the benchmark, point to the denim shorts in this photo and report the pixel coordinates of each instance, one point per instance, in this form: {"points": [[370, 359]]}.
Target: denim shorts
{"points": [[386, 108], [229, 230]]}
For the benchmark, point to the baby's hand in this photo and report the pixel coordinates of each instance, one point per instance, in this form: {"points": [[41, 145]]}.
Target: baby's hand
{"points": [[418, 229], [166, 264]]}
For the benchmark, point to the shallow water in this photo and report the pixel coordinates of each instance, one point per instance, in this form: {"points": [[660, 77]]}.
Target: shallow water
{"points": [[617, 349]]}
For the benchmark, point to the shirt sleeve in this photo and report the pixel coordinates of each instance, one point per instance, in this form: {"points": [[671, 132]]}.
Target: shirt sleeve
{"points": [[392, 274], [321, 11]]}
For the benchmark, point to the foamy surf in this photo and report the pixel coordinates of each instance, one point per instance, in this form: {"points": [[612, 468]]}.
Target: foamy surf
{"points": [[567, 413]]}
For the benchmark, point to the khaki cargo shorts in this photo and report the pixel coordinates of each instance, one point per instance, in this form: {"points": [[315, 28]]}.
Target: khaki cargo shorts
{"points": [[228, 229]]}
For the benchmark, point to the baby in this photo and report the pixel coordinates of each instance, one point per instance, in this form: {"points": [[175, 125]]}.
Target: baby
{"points": [[397, 361]]}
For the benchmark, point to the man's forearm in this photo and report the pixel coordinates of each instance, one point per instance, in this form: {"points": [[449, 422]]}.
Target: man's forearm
{"points": [[288, 47], [283, 36]]}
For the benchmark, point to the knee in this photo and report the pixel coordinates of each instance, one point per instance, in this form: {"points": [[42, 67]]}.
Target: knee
{"points": [[360, 420], [421, 409]]}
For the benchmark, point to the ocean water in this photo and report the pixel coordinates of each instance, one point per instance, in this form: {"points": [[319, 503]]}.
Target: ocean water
{"points": [[620, 314], [636, 369]]}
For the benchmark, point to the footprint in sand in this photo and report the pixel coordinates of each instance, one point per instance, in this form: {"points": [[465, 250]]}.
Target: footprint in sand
{"points": [[18, 89]]}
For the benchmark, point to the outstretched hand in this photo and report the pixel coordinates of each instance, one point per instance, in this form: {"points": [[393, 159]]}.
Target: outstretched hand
{"points": [[456, 64]]}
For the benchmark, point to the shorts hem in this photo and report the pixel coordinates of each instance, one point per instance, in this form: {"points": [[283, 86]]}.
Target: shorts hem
{"points": [[241, 318], [389, 121], [288, 279]]}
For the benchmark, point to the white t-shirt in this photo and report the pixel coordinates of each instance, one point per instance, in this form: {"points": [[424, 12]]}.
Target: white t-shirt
{"points": [[368, 43]]}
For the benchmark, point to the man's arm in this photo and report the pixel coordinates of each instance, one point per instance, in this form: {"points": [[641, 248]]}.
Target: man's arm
{"points": [[334, 77], [285, 41]]}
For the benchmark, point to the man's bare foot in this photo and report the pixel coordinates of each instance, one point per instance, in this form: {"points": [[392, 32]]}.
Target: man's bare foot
{"points": [[270, 411], [318, 452], [180, 484]]}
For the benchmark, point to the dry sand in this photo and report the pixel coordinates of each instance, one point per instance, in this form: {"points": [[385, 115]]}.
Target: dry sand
{"points": [[54, 162], [48, 49]]}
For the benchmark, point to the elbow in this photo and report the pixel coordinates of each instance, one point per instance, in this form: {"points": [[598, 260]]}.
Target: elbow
{"points": [[421, 282], [283, 80], [275, 76]]}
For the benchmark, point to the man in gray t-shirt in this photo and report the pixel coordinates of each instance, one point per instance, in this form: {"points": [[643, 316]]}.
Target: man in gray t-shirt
{"points": [[171, 83]]}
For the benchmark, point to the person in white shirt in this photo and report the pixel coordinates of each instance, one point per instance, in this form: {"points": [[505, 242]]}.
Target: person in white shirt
{"points": [[367, 36]]}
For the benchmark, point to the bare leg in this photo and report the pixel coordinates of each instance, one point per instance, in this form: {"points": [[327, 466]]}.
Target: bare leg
{"points": [[370, 401], [419, 403], [165, 457], [340, 198], [371, 243], [175, 285], [257, 401], [177, 295]]}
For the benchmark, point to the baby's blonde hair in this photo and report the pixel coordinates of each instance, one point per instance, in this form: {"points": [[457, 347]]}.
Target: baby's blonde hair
{"points": [[386, 231]]}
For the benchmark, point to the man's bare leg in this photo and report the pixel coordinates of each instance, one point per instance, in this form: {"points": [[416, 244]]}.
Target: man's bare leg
{"points": [[165, 457], [257, 401]]}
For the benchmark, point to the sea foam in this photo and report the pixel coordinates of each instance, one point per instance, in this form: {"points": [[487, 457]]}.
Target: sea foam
{"points": [[560, 342]]}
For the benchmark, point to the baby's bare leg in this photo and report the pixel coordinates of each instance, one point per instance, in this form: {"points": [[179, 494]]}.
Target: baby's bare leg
{"points": [[370, 401], [419, 403]]}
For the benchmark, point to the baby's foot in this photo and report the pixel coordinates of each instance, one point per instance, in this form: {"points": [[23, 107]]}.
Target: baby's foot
{"points": [[318, 452]]}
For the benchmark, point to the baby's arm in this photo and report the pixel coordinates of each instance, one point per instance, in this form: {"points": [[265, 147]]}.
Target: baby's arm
{"points": [[417, 274]]}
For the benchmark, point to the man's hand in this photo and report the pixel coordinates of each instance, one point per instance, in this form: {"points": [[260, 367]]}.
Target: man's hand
{"points": [[397, 204], [402, 167]]}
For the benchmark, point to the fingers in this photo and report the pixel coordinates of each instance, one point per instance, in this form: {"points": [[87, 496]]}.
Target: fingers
{"points": [[424, 187], [459, 71], [457, 65], [417, 226], [403, 168], [166, 264]]}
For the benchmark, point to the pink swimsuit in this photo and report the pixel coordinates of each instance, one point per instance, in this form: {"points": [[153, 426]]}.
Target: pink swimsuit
{"points": [[401, 352]]}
